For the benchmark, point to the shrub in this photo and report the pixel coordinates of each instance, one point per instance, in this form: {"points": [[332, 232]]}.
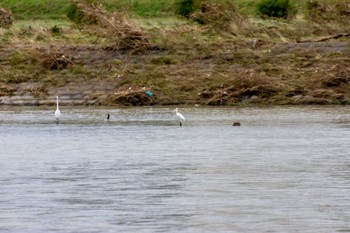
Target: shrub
{"points": [[77, 15], [320, 11], [343, 8], [210, 13], [222, 16], [185, 7], [55, 30], [275, 8], [315, 9], [73, 13]]}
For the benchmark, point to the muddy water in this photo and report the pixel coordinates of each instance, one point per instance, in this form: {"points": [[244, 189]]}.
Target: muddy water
{"points": [[283, 170]]}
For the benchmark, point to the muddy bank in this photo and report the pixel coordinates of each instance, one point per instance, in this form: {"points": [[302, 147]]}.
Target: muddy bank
{"points": [[293, 73]]}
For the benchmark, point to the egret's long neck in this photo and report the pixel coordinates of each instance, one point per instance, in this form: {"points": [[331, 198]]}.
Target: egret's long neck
{"points": [[57, 102]]}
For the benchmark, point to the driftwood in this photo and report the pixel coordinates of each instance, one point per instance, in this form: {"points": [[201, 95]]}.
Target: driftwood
{"points": [[56, 61], [325, 38]]}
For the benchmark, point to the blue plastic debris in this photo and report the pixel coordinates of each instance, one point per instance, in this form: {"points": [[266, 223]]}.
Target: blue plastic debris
{"points": [[149, 93]]}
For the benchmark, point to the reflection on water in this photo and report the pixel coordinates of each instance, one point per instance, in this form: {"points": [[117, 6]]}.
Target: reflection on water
{"points": [[283, 170]]}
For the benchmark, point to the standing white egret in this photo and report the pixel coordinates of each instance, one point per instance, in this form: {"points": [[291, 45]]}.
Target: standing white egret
{"points": [[179, 116], [57, 112]]}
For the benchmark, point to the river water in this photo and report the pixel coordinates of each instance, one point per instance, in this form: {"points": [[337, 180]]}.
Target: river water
{"points": [[286, 169]]}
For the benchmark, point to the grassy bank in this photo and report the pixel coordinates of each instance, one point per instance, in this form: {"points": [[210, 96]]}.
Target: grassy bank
{"points": [[56, 9], [226, 55]]}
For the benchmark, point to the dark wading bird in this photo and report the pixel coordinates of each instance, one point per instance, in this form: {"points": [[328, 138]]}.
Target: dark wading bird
{"points": [[236, 123], [108, 116]]}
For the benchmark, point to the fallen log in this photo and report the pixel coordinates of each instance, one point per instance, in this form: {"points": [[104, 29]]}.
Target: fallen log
{"points": [[325, 38]]}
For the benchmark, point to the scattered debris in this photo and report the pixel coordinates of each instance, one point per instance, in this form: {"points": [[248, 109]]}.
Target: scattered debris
{"points": [[133, 98], [256, 43], [219, 17], [114, 25], [56, 61], [6, 18]]}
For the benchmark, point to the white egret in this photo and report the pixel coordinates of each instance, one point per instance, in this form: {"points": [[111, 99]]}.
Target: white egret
{"points": [[179, 116], [57, 112]]}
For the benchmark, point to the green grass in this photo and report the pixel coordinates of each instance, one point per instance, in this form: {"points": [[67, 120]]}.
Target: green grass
{"points": [[37, 9], [57, 9], [42, 31], [143, 7]]}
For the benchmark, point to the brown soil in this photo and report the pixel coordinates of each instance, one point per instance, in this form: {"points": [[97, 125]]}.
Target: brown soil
{"points": [[110, 77]]}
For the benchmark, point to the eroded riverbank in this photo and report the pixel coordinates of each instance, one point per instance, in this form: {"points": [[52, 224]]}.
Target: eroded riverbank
{"points": [[287, 73]]}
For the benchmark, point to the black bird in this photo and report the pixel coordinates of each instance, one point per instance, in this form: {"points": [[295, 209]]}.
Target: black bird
{"points": [[108, 116], [236, 123]]}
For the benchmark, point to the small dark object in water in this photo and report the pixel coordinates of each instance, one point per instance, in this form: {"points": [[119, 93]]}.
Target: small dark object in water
{"points": [[236, 123], [108, 116]]}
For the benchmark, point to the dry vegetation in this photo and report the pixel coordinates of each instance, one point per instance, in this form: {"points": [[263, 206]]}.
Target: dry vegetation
{"points": [[5, 18], [114, 25], [108, 58]]}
